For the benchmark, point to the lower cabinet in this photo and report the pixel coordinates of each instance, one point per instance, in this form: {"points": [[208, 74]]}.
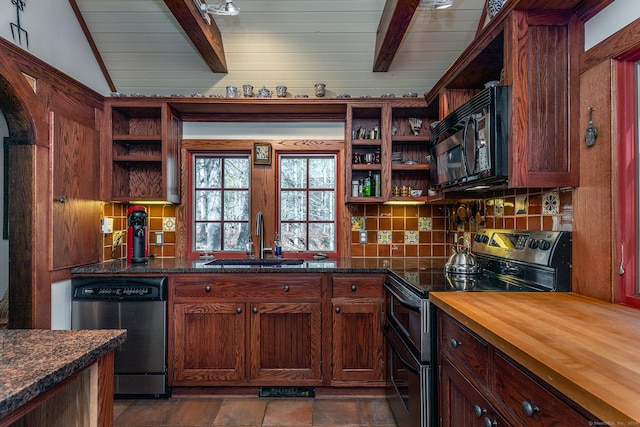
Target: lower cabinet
{"points": [[492, 390], [270, 329]]}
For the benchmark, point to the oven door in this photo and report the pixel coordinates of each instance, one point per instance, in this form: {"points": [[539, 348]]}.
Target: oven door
{"points": [[455, 156], [411, 395]]}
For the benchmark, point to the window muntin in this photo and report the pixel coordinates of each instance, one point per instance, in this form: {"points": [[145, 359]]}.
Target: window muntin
{"points": [[307, 198], [221, 202]]}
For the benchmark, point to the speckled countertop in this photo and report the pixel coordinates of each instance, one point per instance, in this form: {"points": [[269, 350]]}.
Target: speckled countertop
{"points": [[181, 265], [33, 360]]}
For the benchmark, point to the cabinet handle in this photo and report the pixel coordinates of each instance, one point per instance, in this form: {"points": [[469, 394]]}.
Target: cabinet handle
{"points": [[207, 288], [455, 343], [353, 288], [255, 309], [489, 422], [286, 289], [479, 411], [529, 408], [61, 200], [239, 310], [337, 309]]}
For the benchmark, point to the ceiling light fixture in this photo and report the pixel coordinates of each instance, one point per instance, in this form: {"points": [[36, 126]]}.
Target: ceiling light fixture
{"points": [[227, 9], [436, 4]]}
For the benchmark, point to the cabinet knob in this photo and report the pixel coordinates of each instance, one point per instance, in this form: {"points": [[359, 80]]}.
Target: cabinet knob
{"points": [[489, 422], [479, 411], [354, 288], [255, 309], [239, 310], [455, 343], [529, 408], [207, 288], [337, 309], [61, 200], [286, 289]]}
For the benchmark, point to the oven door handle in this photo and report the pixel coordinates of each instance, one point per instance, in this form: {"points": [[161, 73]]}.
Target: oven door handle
{"points": [[401, 300]]}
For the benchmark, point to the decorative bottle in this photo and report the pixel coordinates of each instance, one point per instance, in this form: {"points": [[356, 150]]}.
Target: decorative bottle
{"points": [[277, 247]]}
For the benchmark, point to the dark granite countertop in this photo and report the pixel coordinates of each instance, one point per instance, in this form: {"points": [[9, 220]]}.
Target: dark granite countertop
{"points": [[181, 265], [33, 360]]}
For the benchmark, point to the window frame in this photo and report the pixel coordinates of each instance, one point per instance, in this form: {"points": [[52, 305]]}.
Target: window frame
{"points": [[336, 189], [191, 251]]}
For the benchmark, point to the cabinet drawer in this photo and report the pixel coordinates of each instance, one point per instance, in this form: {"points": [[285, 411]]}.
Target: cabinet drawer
{"points": [[358, 285], [529, 402], [464, 346], [237, 286]]}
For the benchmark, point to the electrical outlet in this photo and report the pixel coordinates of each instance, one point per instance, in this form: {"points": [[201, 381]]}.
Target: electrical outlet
{"points": [[363, 237], [117, 238], [107, 225]]}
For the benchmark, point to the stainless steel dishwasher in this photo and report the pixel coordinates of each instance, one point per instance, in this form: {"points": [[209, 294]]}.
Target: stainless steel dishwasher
{"points": [[139, 305]]}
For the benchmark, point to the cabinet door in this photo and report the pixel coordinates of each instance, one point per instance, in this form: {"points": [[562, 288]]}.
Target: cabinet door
{"points": [[76, 193], [208, 343], [285, 343], [358, 347], [461, 404]]}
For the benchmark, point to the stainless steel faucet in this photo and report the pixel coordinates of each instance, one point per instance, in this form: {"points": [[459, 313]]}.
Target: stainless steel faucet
{"points": [[260, 234]]}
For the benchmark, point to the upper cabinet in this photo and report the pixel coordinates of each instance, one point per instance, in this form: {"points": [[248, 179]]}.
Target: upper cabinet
{"points": [[387, 142], [536, 53], [143, 148]]}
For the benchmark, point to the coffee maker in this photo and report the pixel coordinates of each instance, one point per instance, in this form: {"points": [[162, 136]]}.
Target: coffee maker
{"points": [[137, 250]]}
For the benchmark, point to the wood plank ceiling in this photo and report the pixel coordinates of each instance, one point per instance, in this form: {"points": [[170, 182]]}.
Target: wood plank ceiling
{"points": [[351, 46]]}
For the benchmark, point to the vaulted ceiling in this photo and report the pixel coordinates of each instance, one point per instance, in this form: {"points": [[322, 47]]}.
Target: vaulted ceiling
{"points": [[355, 47]]}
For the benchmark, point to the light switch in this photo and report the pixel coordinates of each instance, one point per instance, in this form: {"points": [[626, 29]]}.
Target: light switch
{"points": [[159, 238], [107, 225]]}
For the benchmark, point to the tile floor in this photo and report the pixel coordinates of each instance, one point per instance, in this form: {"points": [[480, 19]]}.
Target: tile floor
{"points": [[245, 411]]}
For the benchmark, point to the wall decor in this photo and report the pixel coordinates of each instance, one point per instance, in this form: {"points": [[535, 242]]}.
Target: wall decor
{"points": [[16, 29], [261, 153]]}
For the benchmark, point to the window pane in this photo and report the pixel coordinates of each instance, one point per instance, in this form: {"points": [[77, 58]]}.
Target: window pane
{"points": [[293, 206], [236, 205], [207, 237], [236, 235], [208, 206], [322, 205], [208, 172], [235, 173], [293, 173], [322, 173], [321, 237], [294, 237]]}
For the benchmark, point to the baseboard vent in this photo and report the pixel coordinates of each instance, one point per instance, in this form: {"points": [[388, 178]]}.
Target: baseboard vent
{"points": [[286, 391]]}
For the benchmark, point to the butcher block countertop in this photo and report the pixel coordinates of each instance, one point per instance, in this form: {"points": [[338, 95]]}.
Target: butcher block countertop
{"points": [[587, 349]]}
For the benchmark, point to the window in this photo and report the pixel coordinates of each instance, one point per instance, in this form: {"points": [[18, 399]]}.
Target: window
{"points": [[220, 202], [307, 197]]}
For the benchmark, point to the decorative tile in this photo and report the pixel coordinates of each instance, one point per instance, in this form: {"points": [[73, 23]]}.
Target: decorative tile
{"points": [[499, 207], [521, 205], [168, 223], [425, 223], [550, 203], [411, 238], [357, 223], [384, 237]]}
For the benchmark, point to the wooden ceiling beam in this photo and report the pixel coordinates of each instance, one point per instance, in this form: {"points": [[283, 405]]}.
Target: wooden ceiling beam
{"points": [[206, 38], [394, 22]]}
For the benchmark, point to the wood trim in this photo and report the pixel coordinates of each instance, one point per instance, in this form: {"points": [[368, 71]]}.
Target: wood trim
{"points": [[92, 44], [614, 46], [395, 19], [206, 38]]}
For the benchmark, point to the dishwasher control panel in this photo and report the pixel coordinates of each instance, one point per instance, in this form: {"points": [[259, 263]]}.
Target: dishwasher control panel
{"points": [[120, 288]]}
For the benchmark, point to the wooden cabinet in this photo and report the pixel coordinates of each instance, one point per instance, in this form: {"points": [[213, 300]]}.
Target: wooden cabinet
{"points": [[481, 386], [358, 316], [143, 148], [514, 48], [246, 329], [76, 191], [380, 142]]}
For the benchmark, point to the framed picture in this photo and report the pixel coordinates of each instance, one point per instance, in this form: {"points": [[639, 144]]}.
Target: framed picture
{"points": [[261, 153]]}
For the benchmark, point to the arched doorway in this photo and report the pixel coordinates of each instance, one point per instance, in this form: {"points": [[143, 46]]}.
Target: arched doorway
{"points": [[21, 219]]}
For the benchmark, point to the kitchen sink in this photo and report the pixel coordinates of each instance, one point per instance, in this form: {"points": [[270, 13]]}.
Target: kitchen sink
{"points": [[259, 262]]}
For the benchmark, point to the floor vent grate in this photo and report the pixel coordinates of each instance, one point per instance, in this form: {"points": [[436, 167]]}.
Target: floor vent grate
{"points": [[286, 392]]}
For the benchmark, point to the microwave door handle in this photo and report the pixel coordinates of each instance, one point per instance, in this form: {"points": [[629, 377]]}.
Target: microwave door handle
{"points": [[465, 162]]}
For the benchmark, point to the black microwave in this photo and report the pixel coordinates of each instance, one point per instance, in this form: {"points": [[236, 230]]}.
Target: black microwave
{"points": [[469, 147]]}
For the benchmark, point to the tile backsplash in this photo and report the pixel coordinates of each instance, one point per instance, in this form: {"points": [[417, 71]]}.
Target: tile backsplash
{"points": [[160, 218], [429, 230]]}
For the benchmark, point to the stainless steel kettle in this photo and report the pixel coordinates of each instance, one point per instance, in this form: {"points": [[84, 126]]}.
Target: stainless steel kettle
{"points": [[462, 261]]}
